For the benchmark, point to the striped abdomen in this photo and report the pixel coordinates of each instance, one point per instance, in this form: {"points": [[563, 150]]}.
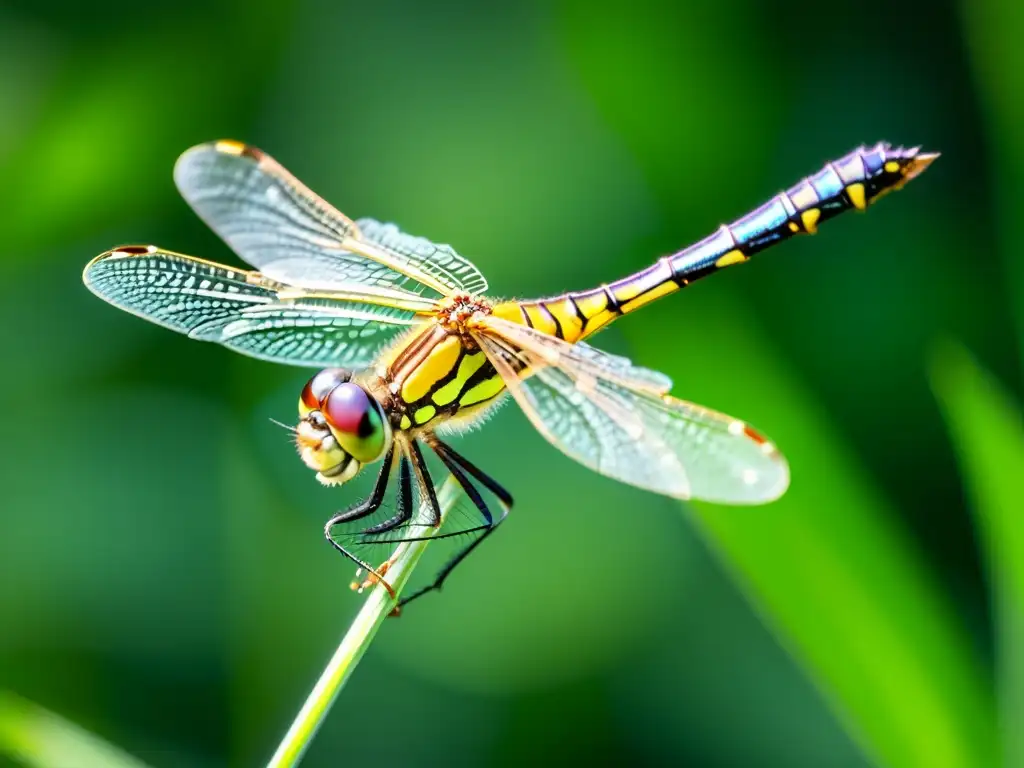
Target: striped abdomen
{"points": [[852, 182]]}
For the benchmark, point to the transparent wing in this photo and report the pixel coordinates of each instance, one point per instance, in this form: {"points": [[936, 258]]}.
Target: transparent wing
{"points": [[440, 260], [245, 311], [581, 357], [593, 408], [278, 225]]}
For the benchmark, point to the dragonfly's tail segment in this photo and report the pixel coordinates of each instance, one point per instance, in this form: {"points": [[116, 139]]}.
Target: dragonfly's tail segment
{"points": [[852, 182]]}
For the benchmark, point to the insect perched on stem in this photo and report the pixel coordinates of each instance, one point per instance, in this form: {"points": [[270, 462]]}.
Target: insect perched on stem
{"points": [[413, 350]]}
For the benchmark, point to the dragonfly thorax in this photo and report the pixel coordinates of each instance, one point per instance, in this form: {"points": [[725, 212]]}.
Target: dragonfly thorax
{"points": [[455, 311]]}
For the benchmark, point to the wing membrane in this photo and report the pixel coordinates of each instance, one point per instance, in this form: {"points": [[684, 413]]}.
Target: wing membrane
{"points": [[594, 411], [587, 360], [440, 260], [289, 233], [244, 310]]}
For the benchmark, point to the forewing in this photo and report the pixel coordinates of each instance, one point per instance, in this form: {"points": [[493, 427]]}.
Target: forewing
{"points": [[243, 310], [277, 224], [587, 408]]}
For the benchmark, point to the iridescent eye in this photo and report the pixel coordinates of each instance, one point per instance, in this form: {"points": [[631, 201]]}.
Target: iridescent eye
{"points": [[357, 421], [320, 386]]}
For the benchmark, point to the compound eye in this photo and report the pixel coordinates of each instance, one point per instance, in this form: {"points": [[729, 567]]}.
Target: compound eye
{"points": [[357, 421], [319, 387]]}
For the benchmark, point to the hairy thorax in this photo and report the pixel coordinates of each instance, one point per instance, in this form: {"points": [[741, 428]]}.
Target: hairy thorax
{"points": [[437, 373], [455, 312]]}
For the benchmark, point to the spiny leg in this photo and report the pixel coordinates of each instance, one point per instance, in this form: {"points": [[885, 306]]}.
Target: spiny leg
{"points": [[404, 513], [363, 509], [486, 480], [459, 466], [425, 483]]}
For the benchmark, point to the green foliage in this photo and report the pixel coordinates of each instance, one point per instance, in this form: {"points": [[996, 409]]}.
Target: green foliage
{"points": [[993, 32], [987, 429], [38, 738], [832, 570], [163, 566]]}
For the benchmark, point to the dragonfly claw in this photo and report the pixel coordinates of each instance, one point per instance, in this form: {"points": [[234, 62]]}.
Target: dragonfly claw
{"points": [[375, 576]]}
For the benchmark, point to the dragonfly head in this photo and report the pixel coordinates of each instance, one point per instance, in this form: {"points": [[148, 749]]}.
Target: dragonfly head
{"points": [[341, 426]]}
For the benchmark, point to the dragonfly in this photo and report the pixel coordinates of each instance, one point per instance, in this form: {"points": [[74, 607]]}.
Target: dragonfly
{"points": [[413, 351]]}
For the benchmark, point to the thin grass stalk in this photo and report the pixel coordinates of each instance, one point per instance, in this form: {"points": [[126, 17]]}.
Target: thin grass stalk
{"points": [[378, 605]]}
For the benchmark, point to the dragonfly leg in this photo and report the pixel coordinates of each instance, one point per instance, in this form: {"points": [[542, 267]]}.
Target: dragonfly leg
{"points": [[374, 576], [405, 503], [459, 467], [404, 513], [426, 484], [361, 510]]}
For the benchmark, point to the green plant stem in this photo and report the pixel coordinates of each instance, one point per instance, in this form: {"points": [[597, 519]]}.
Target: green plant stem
{"points": [[377, 607]]}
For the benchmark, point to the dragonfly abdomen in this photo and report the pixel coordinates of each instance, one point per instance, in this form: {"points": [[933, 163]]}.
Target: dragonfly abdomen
{"points": [[852, 182]]}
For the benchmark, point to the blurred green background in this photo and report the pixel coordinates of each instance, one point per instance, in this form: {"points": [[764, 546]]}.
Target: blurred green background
{"points": [[164, 582]]}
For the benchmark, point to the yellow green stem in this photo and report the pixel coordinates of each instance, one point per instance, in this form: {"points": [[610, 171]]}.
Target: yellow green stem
{"points": [[378, 605]]}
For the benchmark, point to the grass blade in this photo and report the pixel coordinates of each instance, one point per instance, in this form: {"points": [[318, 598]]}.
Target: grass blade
{"points": [[34, 736], [828, 567], [987, 433]]}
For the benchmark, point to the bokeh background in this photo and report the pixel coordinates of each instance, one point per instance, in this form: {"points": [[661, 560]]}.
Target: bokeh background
{"points": [[164, 582]]}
